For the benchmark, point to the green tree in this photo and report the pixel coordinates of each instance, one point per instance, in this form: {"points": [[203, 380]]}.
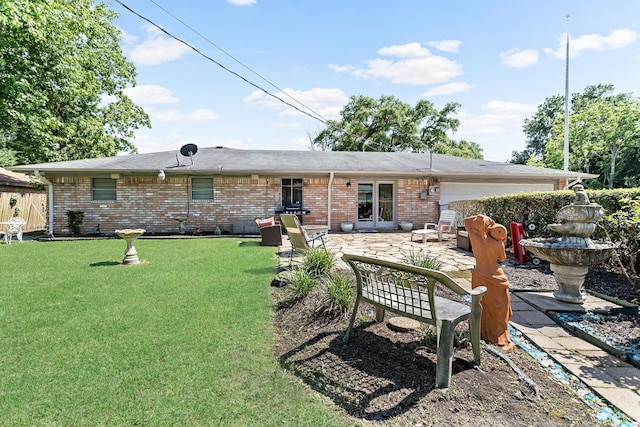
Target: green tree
{"points": [[62, 75], [539, 129], [388, 124], [369, 125], [603, 136], [462, 148]]}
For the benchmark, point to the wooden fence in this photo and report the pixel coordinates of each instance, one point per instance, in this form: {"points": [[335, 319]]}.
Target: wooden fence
{"points": [[32, 207]]}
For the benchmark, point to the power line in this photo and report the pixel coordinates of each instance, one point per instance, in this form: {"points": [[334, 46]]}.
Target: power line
{"points": [[236, 59], [318, 117]]}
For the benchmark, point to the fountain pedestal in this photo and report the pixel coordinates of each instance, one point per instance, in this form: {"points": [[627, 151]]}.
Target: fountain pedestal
{"points": [[130, 235], [569, 279]]}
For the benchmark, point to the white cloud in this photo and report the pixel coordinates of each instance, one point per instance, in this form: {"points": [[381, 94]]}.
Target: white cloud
{"points": [[326, 102], [413, 65], [497, 117], [615, 40], [157, 49], [517, 58], [195, 116], [341, 68], [242, 2], [446, 45], [448, 89], [150, 94]]}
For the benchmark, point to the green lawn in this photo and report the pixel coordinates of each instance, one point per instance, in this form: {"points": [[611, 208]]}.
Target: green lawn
{"points": [[183, 338]]}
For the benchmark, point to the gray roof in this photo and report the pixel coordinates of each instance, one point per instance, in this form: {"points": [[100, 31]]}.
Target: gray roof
{"points": [[230, 161]]}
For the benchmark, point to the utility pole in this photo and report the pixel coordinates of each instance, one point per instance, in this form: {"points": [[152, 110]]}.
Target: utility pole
{"points": [[566, 105]]}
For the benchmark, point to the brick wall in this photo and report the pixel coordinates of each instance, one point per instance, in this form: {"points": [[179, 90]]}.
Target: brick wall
{"points": [[152, 204]]}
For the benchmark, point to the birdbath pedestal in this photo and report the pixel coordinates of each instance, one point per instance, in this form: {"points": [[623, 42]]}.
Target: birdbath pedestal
{"points": [[130, 235], [181, 227]]}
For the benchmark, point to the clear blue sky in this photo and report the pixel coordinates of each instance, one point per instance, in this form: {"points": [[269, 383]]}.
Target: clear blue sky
{"points": [[498, 59]]}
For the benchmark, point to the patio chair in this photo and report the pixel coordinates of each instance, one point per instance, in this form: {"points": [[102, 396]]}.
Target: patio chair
{"points": [[270, 232], [13, 227], [432, 230], [298, 236]]}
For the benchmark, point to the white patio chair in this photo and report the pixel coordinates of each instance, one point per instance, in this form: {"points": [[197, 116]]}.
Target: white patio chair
{"points": [[13, 227], [435, 231]]}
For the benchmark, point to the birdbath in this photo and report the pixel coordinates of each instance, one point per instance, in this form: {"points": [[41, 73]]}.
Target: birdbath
{"points": [[130, 235], [181, 221]]}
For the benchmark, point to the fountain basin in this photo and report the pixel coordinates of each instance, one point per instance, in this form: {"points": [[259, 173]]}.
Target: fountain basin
{"points": [[578, 252]]}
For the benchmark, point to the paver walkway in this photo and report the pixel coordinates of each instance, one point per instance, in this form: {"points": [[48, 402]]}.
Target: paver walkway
{"points": [[613, 379]]}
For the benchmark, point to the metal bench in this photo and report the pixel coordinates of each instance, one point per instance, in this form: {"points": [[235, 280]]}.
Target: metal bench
{"points": [[409, 290]]}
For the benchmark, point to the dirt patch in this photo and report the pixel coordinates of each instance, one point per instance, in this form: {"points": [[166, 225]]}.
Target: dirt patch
{"points": [[387, 377]]}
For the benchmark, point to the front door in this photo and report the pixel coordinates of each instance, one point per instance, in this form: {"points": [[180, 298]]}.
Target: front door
{"points": [[375, 205]]}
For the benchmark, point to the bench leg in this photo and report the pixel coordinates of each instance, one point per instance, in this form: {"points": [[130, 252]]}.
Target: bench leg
{"points": [[474, 331], [445, 355], [345, 338], [379, 314]]}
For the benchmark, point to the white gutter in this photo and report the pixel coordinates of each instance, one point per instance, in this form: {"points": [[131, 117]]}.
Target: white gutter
{"points": [[329, 199], [50, 200]]}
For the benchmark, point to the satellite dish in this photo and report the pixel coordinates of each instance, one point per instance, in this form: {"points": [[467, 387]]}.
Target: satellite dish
{"points": [[189, 150]]}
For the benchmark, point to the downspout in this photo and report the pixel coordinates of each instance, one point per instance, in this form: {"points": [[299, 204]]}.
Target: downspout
{"points": [[50, 199], [329, 199]]}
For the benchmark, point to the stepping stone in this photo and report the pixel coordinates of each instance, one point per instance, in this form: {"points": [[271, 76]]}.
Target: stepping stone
{"points": [[403, 324]]}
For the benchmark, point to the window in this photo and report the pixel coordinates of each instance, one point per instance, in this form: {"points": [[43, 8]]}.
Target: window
{"points": [[201, 188], [291, 192], [103, 189]]}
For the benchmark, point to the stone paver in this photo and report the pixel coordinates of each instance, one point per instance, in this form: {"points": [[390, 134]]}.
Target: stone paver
{"points": [[615, 380]]}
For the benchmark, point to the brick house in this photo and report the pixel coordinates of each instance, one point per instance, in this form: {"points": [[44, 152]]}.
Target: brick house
{"points": [[228, 188]]}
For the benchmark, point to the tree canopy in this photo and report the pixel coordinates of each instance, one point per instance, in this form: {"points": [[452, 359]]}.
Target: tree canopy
{"points": [[388, 124], [604, 135], [62, 76]]}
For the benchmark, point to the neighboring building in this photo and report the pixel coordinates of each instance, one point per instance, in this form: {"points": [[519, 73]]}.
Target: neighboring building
{"points": [[229, 188]]}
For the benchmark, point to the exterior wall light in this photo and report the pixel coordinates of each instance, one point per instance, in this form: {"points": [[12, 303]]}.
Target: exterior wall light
{"points": [[161, 175]]}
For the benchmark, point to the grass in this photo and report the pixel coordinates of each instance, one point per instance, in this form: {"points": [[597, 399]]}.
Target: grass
{"points": [[183, 338]]}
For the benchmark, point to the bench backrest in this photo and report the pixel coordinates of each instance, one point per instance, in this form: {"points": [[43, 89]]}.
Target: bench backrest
{"points": [[401, 287]]}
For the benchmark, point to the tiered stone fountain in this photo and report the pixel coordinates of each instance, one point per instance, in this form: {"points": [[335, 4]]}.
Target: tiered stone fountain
{"points": [[571, 254]]}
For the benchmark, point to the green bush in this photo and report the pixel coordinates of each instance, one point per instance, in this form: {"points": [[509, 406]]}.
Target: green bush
{"points": [[318, 263], [302, 283], [424, 260], [339, 294], [74, 221]]}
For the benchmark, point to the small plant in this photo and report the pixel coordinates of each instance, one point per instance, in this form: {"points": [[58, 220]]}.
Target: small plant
{"points": [[460, 338], [302, 283], [339, 294], [74, 221], [13, 200], [318, 263], [424, 260]]}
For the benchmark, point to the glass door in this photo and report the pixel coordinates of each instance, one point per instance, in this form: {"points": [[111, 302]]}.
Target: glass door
{"points": [[375, 205]]}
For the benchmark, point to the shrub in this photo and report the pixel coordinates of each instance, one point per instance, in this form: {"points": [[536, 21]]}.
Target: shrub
{"points": [[318, 263], [339, 294], [74, 221], [422, 259], [302, 283]]}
